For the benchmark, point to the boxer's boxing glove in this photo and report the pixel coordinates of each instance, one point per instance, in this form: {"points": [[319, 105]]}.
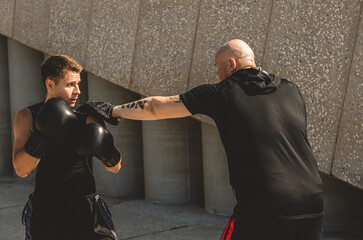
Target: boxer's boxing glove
{"points": [[101, 109], [98, 141], [52, 117]]}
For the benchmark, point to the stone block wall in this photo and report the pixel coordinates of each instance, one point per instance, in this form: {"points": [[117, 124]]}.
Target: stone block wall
{"points": [[155, 47]]}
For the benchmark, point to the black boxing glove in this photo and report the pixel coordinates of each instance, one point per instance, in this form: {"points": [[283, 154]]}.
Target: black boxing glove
{"points": [[101, 109], [52, 117], [98, 141]]}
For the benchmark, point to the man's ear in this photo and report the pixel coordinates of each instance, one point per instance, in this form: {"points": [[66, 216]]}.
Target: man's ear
{"points": [[49, 84], [232, 64]]}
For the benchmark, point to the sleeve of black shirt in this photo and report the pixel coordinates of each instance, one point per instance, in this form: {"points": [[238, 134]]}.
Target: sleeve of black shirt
{"points": [[204, 99]]}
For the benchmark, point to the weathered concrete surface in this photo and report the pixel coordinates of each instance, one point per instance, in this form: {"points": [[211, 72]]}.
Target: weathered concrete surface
{"points": [[6, 17], [5, 125], [24, 63], [164, 46], [128, 139], [348, 164], [31, 23], [311, 43], [221, 21], [218, 195], [68, 28], [167, 161], [111, 40], [195, 161]]}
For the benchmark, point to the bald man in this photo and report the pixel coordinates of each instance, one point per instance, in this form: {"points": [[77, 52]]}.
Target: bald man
{"points": [[261, 119]]}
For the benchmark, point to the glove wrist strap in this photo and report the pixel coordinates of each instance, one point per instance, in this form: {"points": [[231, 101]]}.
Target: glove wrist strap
{"points": [[113, 159]]}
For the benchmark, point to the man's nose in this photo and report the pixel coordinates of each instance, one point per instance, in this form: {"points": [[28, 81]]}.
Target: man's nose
{"points": [[77, 90]]}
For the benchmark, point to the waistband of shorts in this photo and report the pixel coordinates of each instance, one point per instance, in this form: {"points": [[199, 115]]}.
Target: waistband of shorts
{"points": [[61, 195]]}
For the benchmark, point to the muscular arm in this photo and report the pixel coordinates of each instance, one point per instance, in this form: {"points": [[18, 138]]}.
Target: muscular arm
{"points": [[117, 167], [152, 108], [23, 163]]}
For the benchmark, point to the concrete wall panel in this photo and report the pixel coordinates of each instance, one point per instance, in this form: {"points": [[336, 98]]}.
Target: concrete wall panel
{"points": [[5, 125], [31, 23], [311, 43], [26, 86], [164, 46], [218, 195], [68, 28], [347, 163], [128, 139], [168, 155], [195, 158], [112, 39], [25, 81], [221, 21], [6, 17]]}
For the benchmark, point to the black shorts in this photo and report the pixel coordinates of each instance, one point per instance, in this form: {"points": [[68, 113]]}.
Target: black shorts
{"points": [[273, 229], [85, 218]]}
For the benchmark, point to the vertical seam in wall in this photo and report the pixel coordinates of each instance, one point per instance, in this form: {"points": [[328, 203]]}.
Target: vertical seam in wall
{"points": [[194, 42], [189, 173], [133, 54], [142, 126], [141, 145], [12, 27], [47, 34], [88, 33], [267, 31], [345, 91], [7, 137]]}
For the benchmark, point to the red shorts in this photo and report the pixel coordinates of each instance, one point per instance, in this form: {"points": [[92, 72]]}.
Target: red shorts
{"points": [[273, 229]]}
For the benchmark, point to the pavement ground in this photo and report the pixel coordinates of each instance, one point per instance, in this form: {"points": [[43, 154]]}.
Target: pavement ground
{"points": [[133, 218]]}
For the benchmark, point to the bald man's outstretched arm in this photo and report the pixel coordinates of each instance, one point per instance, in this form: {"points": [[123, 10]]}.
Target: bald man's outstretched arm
{"points": [[152, 108]]}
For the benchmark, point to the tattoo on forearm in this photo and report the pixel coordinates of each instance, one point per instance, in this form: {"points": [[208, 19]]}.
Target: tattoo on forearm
{"points": [[137, 104], [175, 99]]}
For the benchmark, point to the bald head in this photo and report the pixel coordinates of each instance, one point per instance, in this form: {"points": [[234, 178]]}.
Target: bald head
{"points": [[233, 56], [238, 49]]}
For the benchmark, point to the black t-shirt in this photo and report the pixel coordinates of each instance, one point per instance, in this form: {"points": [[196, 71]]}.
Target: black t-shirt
{"points": [[261, 120], [62, 172]]}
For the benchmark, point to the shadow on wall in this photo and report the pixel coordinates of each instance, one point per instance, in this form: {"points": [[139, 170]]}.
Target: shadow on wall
{"points": [[343, 207]]}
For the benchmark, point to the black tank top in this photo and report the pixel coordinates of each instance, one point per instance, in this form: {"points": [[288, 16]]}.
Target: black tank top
{"points": [[62, 172]]}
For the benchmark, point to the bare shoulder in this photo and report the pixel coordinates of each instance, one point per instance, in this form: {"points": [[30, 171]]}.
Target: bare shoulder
{"points": [[23, 127], [24, 113], [24, 119]]}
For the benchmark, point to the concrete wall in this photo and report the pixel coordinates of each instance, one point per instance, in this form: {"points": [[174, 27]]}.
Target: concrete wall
{"points": [[5, 124], [313, 44], [218, 194], [128, 139], [25, 85], [173, 161], [25, 82], [166, 47]]}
